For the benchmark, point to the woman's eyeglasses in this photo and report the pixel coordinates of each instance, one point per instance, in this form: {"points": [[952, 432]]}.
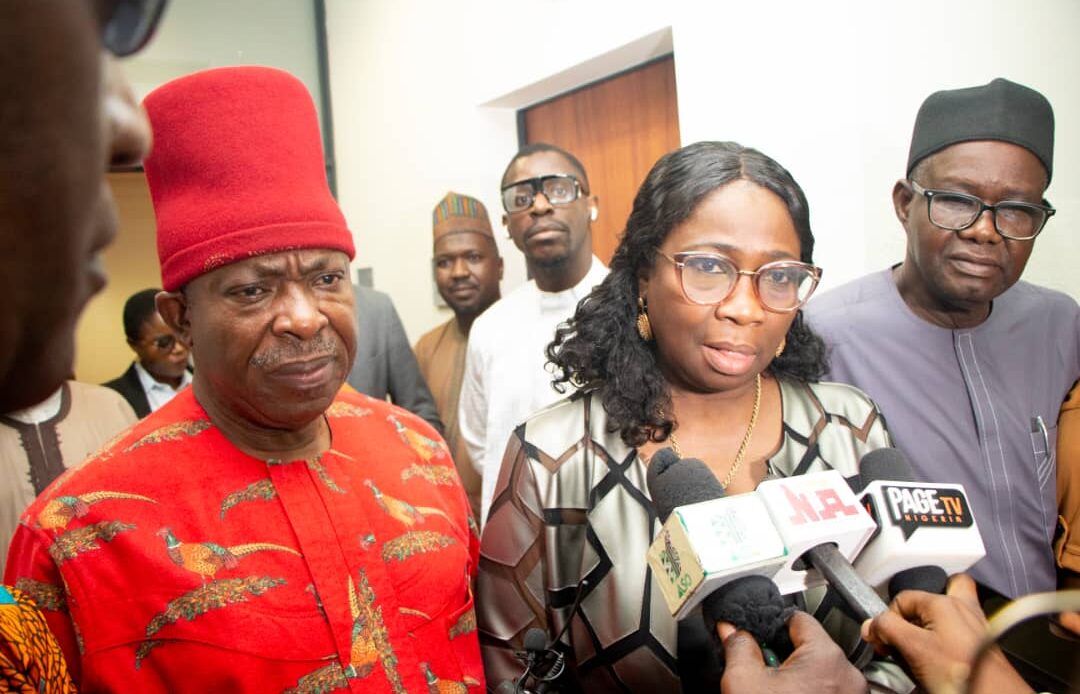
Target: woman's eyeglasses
{"points": [[710, 278]]}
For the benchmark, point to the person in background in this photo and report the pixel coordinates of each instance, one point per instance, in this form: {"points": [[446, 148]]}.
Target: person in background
{"points": [[467, 269], [969, 363], [695, 341], [385, 366], [1067, 544], [38, 443], [548, 212], [68, 115], [160, 369], [267, 529]]}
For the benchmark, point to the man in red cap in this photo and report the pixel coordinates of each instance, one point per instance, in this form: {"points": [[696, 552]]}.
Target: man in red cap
{"points": [[265, 530]]}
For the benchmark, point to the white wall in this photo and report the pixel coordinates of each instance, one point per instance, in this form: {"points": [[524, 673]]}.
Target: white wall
{"points": [[409, 82], [424, 96], [200, 34]]}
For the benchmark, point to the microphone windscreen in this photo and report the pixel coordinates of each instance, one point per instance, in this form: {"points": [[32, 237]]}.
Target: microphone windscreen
{"points": [[659, 464], [535, 640], [677, 482], [885, 464], [931, 579], [752, 603]]}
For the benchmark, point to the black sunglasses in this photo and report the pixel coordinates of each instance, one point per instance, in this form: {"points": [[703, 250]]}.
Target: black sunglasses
{"points": [[127, 25]]}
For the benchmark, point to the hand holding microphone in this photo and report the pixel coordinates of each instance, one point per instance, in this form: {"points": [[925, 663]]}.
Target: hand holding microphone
{"points": [[938, 636], [816, 663]]}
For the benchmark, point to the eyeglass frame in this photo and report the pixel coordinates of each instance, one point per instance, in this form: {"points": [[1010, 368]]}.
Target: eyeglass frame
{"points": [[537, 182], [815, 275], [155, 343], [929, 194], [135, 39]]}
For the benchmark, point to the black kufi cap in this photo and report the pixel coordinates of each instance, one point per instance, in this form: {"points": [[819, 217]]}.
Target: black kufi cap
{"points": [[1001, 110]]}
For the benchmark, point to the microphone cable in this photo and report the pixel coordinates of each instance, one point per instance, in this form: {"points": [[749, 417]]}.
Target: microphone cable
{"points": [[1013, 614]]}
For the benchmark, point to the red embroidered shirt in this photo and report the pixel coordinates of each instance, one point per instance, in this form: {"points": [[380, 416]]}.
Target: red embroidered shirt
{"points": [[174, 562]]}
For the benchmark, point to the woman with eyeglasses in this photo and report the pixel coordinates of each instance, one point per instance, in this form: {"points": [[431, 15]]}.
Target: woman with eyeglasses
{"points": [[695, 341]]}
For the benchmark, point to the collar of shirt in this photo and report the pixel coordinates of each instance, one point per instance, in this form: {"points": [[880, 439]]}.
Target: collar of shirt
{"points": [[559, 301], [41, 412], [157, 394]]}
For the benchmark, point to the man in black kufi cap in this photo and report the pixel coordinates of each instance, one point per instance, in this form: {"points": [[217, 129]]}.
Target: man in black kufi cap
{"points": [[968, 363]]}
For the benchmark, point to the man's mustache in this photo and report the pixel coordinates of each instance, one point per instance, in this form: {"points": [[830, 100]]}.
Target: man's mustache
{"points": [[319, 346]]}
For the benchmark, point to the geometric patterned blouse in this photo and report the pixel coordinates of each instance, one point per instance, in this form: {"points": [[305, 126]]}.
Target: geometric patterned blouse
{"points": [[173, 562], [571, 521]]}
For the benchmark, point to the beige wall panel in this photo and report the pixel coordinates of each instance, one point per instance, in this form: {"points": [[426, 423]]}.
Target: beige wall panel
{"points": [[101, 351]]}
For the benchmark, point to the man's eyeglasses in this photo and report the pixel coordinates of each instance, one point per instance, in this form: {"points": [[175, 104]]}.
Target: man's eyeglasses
{"points": [[710, 278], [1020, 221], [559, 189], [127, 25], [162, 343]]}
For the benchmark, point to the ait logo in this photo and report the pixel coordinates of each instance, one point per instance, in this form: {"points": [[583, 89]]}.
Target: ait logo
{"points": [[670, 559], [911, 508]]}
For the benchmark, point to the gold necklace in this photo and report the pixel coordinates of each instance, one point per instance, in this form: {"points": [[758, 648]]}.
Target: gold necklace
{"points": [[741, 453]]}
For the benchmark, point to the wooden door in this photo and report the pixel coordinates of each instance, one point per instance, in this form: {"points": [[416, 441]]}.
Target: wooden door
{"points": [[618, 128], [101, 351]]}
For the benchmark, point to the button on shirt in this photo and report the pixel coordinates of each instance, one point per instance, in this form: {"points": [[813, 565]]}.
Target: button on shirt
{"points": [[158, 393], [506, 373]]}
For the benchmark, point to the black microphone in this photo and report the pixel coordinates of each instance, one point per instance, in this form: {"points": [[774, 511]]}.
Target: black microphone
{"points": [[892, 465], [675, 481], [750, 602], [544, 663], [886, 551]]}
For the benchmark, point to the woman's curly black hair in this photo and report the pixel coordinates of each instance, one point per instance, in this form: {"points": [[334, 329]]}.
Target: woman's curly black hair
{"points": [[599, 348]]}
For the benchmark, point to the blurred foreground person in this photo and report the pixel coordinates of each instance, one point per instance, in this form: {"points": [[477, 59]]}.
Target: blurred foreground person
{"points": [[68, 115]]}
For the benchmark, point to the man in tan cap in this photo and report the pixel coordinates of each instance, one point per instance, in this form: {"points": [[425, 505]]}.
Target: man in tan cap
{"points": [[467, 269]]}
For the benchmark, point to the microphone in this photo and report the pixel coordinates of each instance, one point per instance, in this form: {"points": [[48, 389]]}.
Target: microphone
{"points": [[691, 483], [544, 664], [707, 539], [925, 531], [824, 527], [680, 489]]}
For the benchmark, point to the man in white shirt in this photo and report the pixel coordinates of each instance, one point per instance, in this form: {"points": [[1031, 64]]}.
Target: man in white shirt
{"points": [[548, 212], [160, 370]]}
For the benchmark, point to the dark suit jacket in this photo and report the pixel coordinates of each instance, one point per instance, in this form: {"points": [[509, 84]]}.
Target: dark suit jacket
{"points": [[131, 388], [385, 363]]}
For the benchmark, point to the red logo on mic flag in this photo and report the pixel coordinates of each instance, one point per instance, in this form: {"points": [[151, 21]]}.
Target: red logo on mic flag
{"points": [[825, 504]]}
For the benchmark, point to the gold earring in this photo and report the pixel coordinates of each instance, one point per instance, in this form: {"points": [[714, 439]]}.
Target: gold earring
{"points": [[780, 349], [644, 328]]}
